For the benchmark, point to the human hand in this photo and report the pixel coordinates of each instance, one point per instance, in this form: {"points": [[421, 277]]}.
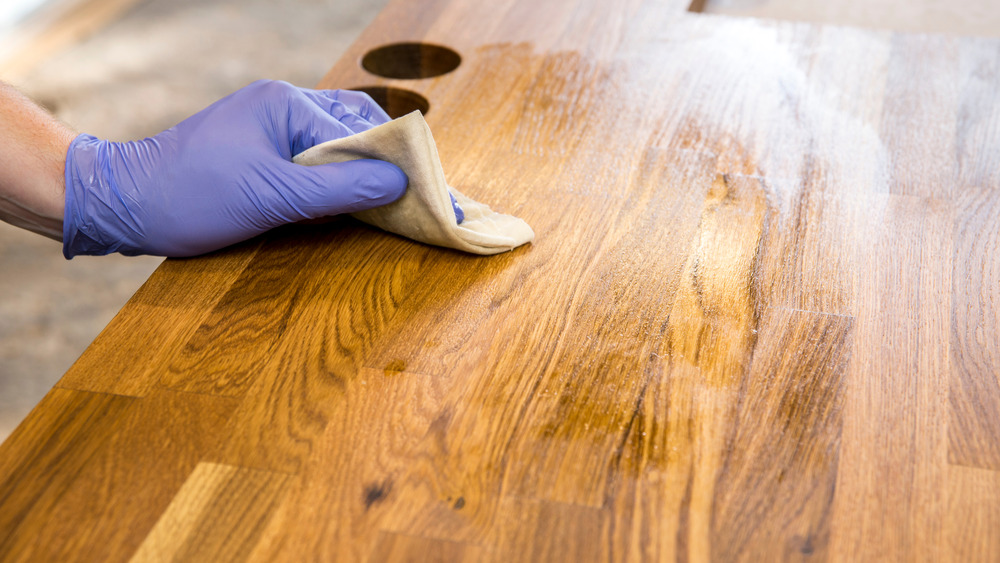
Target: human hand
{"points": [[223, 175]]}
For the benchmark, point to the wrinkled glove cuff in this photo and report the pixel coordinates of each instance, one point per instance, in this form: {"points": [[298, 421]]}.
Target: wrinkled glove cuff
{"points": [[96, 220]]}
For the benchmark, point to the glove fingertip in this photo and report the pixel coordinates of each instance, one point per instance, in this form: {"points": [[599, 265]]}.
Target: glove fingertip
{"points": [[379, 182], [346, 187], [459, 214]]}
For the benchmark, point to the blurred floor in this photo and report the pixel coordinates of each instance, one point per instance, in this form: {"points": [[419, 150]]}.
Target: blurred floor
{"points": [[158, 63]]}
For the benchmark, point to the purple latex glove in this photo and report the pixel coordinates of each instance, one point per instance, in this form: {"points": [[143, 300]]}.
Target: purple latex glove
{"points": [[459, 214], [223, 175]]}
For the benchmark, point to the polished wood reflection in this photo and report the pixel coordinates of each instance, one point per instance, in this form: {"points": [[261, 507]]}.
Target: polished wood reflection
{"points": [[759, 322]]}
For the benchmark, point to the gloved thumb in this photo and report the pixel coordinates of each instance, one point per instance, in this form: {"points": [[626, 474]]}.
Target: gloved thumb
{"points": [[343, 187]]}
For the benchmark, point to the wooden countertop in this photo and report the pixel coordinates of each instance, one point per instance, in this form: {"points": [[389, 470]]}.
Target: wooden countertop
{"points": [[759, 322]]}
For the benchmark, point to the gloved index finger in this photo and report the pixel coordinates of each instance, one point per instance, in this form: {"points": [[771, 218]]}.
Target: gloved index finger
{"points": [[357, 103], [310, 126], [363, 105]]}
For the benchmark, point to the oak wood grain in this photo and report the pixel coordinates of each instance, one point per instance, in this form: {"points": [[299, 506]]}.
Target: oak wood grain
{"points": [[326, 336], [785, 442], [974, 429], [550, 531], [41, 459], [894, 451], [257, 307], [220, 512], [581, 403], [676, 443], [155, 323], [372, 468], [974, 494], [758, 321], [136, 467], [397, 548]]}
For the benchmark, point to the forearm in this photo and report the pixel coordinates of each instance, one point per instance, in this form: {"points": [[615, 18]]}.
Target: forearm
{"points": [[33, 148]]}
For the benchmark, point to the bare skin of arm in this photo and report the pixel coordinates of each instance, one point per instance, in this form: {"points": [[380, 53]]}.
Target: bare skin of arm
{"points": [[33, 147]]}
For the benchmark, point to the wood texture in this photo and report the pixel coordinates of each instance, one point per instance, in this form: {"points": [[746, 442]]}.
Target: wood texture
{"points": [[219, 513], [758, 322], [971, 17]]}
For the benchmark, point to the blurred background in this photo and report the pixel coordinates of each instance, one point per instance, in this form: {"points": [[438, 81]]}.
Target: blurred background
{"points": [[127, 69]]}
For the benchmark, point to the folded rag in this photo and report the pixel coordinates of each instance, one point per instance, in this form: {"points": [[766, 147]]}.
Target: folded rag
{"points": [[425, 212]]}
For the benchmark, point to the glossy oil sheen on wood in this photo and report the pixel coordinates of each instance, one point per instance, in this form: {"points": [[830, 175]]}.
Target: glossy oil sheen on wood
{"points": [[759, 322]]}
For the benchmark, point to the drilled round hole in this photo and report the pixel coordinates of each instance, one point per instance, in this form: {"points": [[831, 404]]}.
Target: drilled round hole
{"points": [[396, 101], [411, 60]]}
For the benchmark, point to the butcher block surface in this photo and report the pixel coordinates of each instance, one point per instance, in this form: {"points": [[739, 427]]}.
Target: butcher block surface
{"points": [[759, 321]]}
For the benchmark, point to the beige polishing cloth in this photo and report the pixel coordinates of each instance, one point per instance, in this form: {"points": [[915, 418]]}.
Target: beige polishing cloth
{"points": [[424, 213]]}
